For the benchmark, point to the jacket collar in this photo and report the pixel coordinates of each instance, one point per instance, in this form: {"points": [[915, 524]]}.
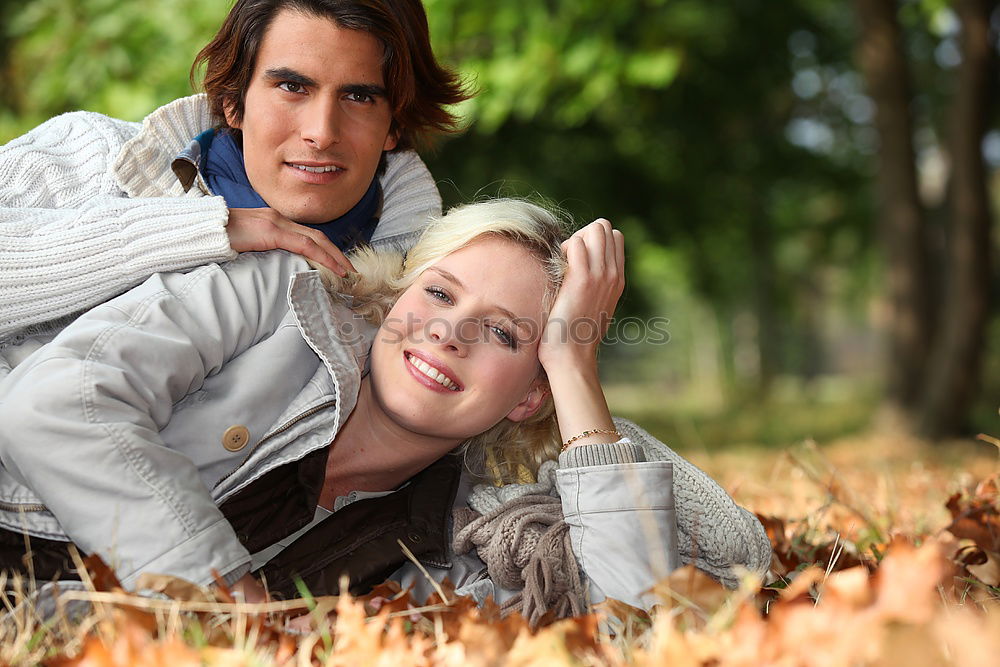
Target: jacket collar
{"points": [[339, 336]]}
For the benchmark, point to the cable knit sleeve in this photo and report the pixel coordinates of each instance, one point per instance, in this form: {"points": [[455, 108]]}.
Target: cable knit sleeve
{"points": [[69, 237], [410, 198], [713, 532]]}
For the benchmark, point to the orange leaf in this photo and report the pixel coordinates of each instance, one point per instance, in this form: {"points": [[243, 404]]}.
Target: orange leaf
{"points": [[102, 576]]}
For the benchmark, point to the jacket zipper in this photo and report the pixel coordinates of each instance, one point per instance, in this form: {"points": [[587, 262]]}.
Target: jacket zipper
{"points": [[284, 427], [21, 507]]}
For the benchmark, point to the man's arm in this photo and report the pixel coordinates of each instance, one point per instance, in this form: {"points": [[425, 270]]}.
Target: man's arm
{"points": [[70, 239], [410, 200]]}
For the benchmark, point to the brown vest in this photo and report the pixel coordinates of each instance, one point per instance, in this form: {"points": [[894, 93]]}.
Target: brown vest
{"points": [[360, 540]]}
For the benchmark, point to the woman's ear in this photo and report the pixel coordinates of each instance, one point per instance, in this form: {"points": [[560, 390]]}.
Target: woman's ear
{"points": [[531, 403]]}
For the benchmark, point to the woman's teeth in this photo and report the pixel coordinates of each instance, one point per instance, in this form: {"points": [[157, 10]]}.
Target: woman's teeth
{"points": [[433, 374], [316, 170]]}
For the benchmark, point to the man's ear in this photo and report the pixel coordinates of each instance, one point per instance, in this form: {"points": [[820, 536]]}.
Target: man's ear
{"points": [[391, 139], [531, 403], [231, 120]]}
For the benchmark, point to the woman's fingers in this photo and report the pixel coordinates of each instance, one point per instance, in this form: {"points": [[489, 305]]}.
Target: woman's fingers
{"points": [[619, 241], [601, 246], [596, 257], [605, 250], [590, 291]]}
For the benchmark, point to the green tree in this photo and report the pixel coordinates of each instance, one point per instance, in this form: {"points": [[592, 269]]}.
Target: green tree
{"points": [[124, 59], [672, 119]]}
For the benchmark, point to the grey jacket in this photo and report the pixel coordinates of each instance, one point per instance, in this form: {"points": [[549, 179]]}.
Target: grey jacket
{"points": [[150, 409], [125, 432]]}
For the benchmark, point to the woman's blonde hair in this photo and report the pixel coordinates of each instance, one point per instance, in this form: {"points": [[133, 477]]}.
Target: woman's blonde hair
{"points": [[507, 449]]}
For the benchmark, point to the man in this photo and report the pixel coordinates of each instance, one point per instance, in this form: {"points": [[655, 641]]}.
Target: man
{"points": [[301, 142]]}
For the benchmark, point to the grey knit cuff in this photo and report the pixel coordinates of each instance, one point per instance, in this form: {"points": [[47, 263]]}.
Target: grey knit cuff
{"points": [[622, 451]]}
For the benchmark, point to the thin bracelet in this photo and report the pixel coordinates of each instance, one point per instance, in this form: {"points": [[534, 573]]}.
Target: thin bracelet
{"points": [[607, 431]]}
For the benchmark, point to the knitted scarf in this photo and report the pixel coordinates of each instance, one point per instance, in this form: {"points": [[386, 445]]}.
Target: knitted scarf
{"points": [[223, 167], [519, 532]]}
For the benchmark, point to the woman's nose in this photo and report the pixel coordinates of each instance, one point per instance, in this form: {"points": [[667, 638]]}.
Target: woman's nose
{"points": [[452, 334]]}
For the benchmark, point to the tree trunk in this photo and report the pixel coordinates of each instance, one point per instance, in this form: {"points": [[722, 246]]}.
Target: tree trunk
{"points": [[955, 362], [910, 308]]}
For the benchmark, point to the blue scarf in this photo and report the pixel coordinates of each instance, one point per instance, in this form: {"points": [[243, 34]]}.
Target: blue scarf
{"points": [[223, 167]]}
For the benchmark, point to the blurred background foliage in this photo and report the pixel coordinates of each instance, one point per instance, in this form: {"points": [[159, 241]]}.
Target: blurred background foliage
{"points": [[735, 143]]}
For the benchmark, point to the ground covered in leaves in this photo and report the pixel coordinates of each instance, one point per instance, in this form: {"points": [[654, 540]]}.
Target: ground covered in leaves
{"points": [[886, 552]]}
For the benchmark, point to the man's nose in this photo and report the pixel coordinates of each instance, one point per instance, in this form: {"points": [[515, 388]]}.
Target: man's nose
{"points": [[321, 123]]}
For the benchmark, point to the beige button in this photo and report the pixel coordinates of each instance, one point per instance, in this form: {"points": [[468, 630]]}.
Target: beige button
{"points": [[235, 438]]}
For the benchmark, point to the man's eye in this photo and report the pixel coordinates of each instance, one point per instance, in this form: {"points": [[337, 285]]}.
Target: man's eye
{"points": [[291, 86], [362, 98]]}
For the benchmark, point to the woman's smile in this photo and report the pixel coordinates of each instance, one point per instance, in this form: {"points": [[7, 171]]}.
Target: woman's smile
{"points": [[439, 376]]}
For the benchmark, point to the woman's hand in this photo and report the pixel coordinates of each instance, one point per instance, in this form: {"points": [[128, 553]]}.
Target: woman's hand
{"points": [[587, 299], [249, 589], [579, 319]]}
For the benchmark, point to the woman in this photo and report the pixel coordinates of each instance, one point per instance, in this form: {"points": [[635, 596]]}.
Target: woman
{"points": [[202, 418]]}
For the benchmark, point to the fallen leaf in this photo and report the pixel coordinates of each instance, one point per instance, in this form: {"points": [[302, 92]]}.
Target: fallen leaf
{"points": [[174, 587], [987, 571]]}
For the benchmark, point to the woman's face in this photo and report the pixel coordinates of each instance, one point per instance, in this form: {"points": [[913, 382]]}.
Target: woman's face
{"points": [[459, 351]]}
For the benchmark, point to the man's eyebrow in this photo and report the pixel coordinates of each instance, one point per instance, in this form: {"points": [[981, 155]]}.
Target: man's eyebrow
{"points": [[288, 74], [370, 89], [448, 275]]}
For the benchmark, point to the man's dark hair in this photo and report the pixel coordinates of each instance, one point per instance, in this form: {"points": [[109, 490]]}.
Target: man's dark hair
{"points": [[418, 87]]}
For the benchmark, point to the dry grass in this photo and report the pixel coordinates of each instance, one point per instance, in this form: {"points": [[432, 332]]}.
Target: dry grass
{"points": [[866, 574]]}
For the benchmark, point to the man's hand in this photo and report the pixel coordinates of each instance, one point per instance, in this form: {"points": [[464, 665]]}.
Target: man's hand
{"points": [[266, 229]]}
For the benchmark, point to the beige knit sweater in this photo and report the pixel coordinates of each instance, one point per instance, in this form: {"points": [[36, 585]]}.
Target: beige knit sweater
{"points": [[89, 207]]}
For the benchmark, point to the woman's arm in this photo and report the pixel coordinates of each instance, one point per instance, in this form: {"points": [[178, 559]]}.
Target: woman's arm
{"points": [[713, 533], [632, 503], [594, 280], [81, 417], [620, 516]]}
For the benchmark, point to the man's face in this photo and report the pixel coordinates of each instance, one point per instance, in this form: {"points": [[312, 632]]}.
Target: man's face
{"points": [[316, 118]]}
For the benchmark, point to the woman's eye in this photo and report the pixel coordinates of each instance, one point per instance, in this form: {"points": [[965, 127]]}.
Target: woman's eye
{"points": [[290, 86], [438, 294], [504, 337]]}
